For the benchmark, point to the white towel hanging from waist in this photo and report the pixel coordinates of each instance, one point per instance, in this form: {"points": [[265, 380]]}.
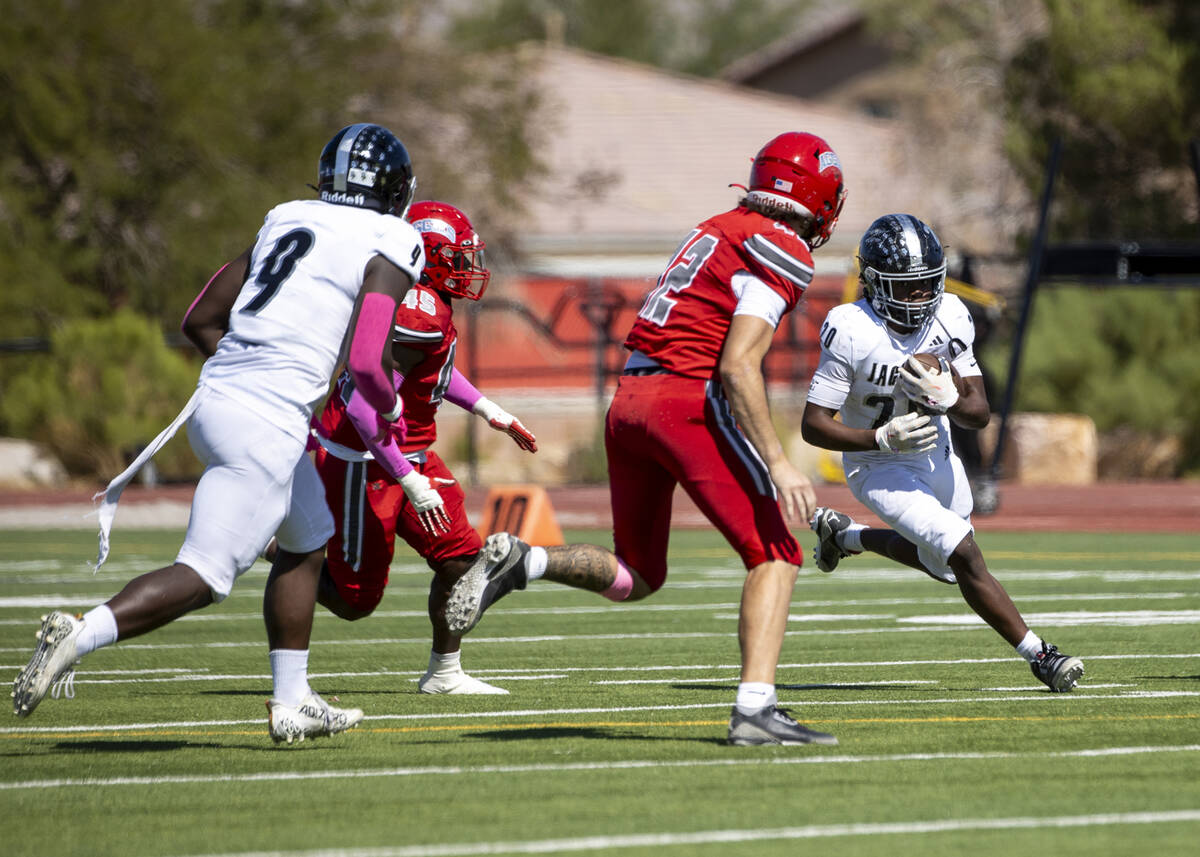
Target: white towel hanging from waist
{"points": [[112, 494]]}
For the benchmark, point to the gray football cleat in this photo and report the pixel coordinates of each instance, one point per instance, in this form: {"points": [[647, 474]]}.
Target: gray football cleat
{"points": [[1057, 671], [52, 664], [772, 725], [499, 570]]}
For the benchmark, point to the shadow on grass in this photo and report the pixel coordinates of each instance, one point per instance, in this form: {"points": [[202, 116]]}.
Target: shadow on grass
{"points": [[591, 732], [92, 746], [128, 746], [262, 694]]}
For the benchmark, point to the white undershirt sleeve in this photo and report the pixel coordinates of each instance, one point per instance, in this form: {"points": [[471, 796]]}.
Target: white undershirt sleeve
{"points": [[758, 299]]}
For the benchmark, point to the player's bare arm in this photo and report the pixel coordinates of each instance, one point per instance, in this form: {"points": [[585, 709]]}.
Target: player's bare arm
{"points": [[746, 345], [207, 319], [820, 429], [972, 410], [911, 432]]}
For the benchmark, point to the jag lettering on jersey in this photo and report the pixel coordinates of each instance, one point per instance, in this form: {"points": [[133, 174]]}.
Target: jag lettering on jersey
{"points": [[883, 374]]}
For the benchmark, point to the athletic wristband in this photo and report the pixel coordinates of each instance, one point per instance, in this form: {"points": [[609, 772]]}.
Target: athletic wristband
{"points": [[394, 414], [487, 409]]}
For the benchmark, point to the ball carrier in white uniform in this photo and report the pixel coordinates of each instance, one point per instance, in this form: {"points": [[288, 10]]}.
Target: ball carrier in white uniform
{"points": [[271, 324], [894, 431]]}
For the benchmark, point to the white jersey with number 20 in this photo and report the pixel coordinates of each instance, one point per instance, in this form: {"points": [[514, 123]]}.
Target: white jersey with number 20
{"points": [[860, 364], [290, 318]]}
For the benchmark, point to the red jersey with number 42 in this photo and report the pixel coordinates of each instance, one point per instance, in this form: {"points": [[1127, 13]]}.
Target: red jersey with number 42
{"points": [[424, 322], [683, 322]]}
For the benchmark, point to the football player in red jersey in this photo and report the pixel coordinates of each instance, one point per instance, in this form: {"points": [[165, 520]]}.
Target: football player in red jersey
{"points": [[380, 485], [691, 409]]}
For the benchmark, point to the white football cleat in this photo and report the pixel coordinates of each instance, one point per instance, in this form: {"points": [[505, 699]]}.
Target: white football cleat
{"points": [[313, 717], [827, 524], [457, 682], [52, 663]]}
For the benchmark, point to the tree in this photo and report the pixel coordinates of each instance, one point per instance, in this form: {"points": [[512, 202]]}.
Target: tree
{"points": [[1111, 79], [1117, 80], [93, 412], [695, 37], [141, 142]]}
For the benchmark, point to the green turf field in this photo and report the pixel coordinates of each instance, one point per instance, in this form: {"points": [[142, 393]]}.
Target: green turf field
{"points": [[611, 741]]}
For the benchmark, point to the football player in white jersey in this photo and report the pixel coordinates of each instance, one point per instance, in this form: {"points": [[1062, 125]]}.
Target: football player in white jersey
{"points": [[894, 429], [271, 324]]}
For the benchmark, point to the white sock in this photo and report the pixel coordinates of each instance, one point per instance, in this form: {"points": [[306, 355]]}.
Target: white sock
{"points": [[754, 696], [450, 662], [1030, 647], [852, 538], [535, 563], [289, 674], [99, 630]]}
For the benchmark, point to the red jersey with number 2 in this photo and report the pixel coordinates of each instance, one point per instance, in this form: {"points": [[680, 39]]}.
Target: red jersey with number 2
{"points": [[683, 322]]}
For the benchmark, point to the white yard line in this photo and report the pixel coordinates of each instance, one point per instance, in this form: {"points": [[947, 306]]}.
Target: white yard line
{"points": [[566, 767], [500, 675], [49, 601], [710, 837], [950, 622], [659, 667], [1079, 696], [54, 601], [695, 679]]}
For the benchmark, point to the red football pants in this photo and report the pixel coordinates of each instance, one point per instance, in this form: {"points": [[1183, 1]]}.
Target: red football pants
{"points": [[370, 509], [664, 430]]}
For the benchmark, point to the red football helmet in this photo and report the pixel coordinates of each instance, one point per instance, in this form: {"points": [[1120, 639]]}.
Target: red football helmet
{"points": [[799, 173], [453, 252]]}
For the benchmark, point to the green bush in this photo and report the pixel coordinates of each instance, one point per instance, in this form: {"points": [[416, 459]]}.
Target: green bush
{"points": [[1128, 358], [106, 388]]}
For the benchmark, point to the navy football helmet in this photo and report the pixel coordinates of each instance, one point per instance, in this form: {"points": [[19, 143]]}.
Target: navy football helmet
{"points": [[366, 166], [903, 270]]}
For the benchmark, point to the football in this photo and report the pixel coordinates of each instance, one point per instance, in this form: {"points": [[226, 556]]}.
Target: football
{"points": [[930, 362]]}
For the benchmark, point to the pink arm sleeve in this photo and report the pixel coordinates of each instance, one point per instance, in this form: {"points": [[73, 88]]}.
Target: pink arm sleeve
{"points": [[372, 335], [462, 392], [363, 416]]}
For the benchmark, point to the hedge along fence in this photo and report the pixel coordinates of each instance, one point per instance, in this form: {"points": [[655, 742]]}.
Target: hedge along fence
{"points": [[104, 388]]}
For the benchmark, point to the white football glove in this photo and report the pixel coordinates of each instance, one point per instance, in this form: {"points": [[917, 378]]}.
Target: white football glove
{"points": [[909, 432], [426, 502], [935, 391], [502, 420]]}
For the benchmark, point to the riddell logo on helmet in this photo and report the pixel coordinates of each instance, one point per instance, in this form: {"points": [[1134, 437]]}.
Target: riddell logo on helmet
{"points": [[342, 198]]}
